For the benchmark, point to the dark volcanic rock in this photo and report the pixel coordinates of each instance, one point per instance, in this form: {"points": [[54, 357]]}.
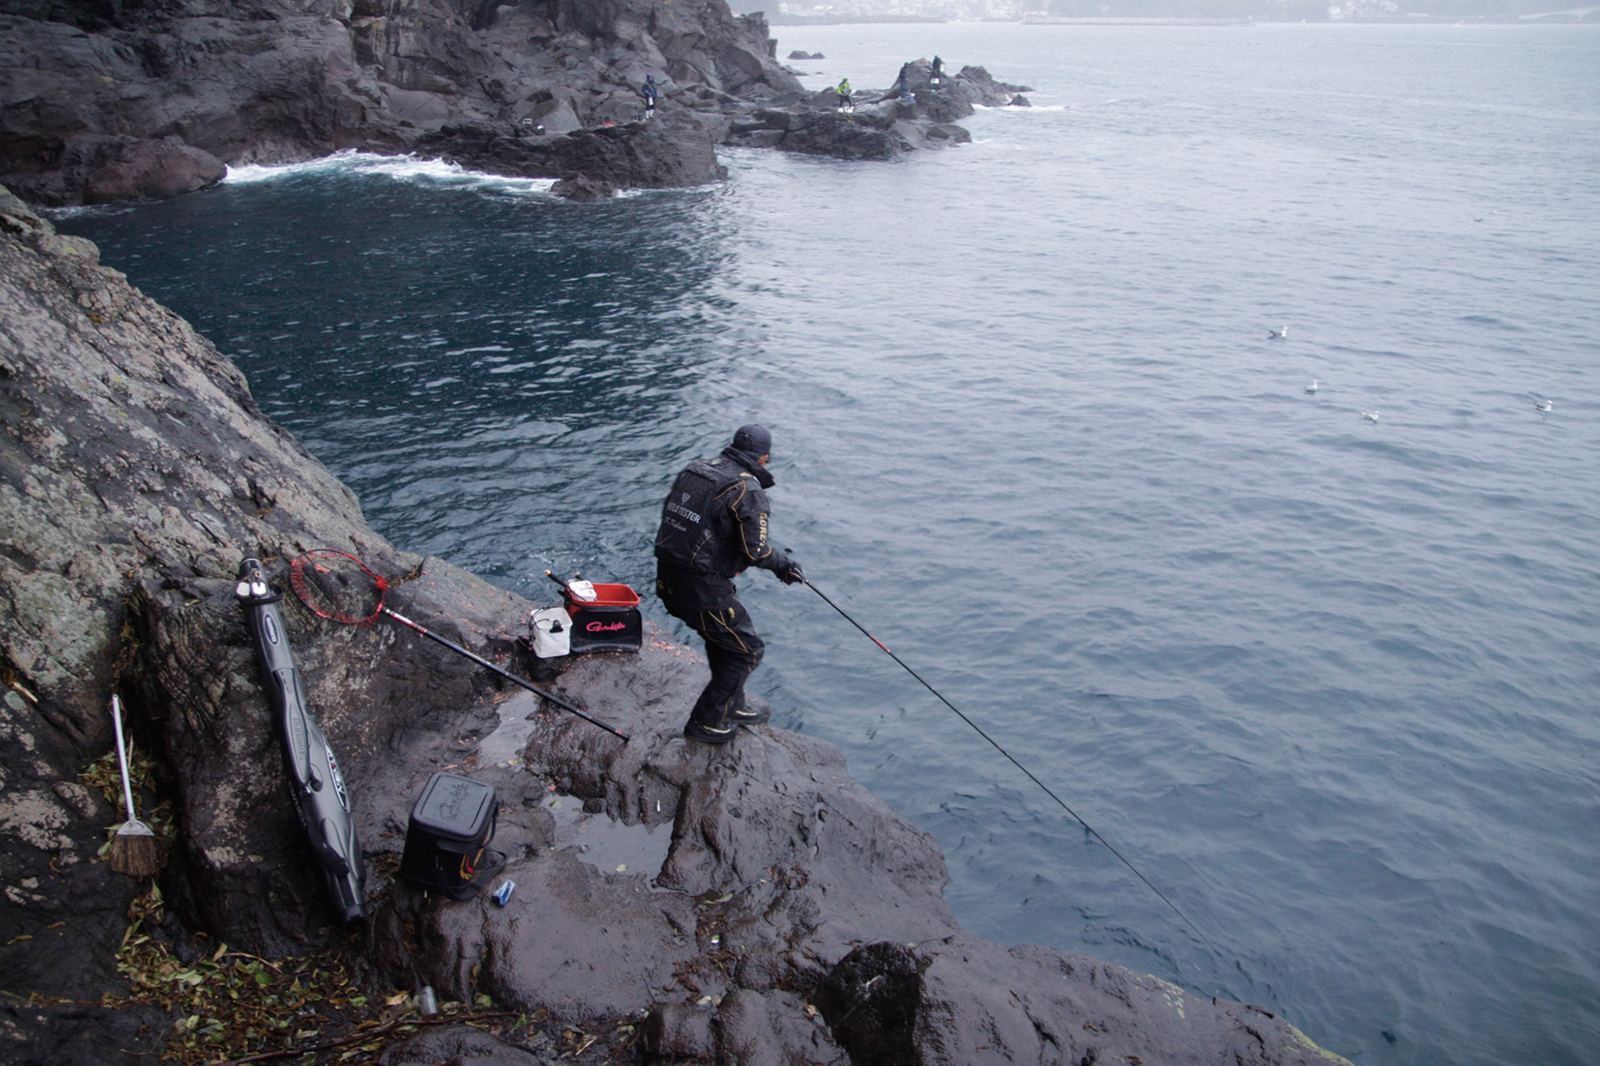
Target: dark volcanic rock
{"points": [[282, 80], [955, 97], [147, 169], [861, 134], [642, 155], [584, 190], [975, 1001], [105, 102], [54, 1034], [96, 170], [910, 115], [204, 89], [462, 1045]]}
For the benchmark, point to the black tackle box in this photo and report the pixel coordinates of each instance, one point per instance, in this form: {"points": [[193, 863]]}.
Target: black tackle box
{"points": [[447, 840]]}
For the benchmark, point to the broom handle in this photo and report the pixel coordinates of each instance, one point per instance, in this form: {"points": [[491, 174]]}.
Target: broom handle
{"points": [[122, 760]]}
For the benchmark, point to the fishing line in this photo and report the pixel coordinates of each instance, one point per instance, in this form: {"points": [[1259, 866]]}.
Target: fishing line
{"points": [[1047, 791]]}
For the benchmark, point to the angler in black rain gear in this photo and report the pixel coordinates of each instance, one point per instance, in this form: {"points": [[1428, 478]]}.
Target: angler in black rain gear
{"points": [[714, 527]]}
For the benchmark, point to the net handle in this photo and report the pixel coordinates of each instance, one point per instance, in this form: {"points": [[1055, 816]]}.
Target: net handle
{"points": [[298, 582]]}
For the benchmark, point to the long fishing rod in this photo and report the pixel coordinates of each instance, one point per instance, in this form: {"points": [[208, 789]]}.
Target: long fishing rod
{"points": [[1047, 791]]}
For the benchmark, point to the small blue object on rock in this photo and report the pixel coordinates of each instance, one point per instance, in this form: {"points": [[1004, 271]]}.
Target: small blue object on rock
{"points": [[502, 895]]}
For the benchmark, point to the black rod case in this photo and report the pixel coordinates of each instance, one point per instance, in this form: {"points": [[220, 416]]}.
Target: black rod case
{"points": [[319, 790]]}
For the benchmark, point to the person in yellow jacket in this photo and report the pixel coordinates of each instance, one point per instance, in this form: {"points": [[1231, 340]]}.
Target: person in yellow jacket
{"points": [[844, 95]]}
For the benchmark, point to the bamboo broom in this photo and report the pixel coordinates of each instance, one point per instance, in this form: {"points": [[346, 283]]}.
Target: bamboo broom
{"points": [[133, 849]]}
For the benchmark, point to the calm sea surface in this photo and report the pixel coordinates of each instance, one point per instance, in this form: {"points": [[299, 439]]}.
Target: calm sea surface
{"points": [[1330, 683]]}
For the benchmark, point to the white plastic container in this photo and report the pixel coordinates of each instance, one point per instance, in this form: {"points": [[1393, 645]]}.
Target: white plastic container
{"points": [[552, 632]]}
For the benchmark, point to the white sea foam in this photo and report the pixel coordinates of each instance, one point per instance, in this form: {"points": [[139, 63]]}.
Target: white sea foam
{"points": [[410, 168], [1012, 109], [58, 214]]}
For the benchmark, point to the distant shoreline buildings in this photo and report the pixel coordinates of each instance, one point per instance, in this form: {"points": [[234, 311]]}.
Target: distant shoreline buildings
{"points": [[1166, 12]]}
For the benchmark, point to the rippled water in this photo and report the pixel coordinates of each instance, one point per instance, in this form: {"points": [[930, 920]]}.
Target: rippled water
{"points": [[1330, 683]]}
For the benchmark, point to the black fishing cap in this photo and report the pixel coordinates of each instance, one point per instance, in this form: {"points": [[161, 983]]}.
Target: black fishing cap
{"points": [[753, 439]]}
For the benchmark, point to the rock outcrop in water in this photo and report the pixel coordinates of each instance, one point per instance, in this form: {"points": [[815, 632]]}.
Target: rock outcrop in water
{"points": [[742, 905], [107, 102]]}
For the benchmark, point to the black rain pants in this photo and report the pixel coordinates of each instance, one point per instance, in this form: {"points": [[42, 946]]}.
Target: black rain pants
{"points": [[733, 649]]}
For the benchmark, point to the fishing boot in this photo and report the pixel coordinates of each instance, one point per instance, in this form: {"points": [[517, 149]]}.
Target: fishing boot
{"points": [[708, 733], [753, 711]]}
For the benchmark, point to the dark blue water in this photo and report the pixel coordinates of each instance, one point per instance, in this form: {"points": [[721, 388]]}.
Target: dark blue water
{"points": [[1330, 683]]}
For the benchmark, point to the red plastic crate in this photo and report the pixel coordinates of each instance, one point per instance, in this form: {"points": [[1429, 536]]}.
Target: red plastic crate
{"points": [[605, 596]]}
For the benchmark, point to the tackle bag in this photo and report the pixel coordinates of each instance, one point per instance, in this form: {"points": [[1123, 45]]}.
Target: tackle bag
{"points": [[607, 621], [447, 839]]}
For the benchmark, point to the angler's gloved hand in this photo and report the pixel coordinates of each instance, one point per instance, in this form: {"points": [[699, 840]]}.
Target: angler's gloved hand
{"points": [[791, 576]]}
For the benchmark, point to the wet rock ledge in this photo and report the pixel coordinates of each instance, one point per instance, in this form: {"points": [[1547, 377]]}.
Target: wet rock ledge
{"points": [[749, 904]]}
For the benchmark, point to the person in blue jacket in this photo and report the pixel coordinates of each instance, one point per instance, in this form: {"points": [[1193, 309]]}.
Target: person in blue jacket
{"points": [[650, 94]]}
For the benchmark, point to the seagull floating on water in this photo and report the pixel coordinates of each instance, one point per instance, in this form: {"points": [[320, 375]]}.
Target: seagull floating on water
{"points": [[1278, 334], [1370, 416], [1543, 405], [1313, 387]]}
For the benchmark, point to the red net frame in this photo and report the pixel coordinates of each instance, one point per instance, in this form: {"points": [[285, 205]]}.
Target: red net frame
{"points": [[338, 586]]}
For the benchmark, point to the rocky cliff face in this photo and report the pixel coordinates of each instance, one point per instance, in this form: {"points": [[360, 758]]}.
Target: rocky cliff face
{"points": [[745, 904], [109, 101]]}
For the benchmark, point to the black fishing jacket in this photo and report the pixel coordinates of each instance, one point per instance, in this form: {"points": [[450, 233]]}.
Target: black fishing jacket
{"points": [[714, 522]]}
